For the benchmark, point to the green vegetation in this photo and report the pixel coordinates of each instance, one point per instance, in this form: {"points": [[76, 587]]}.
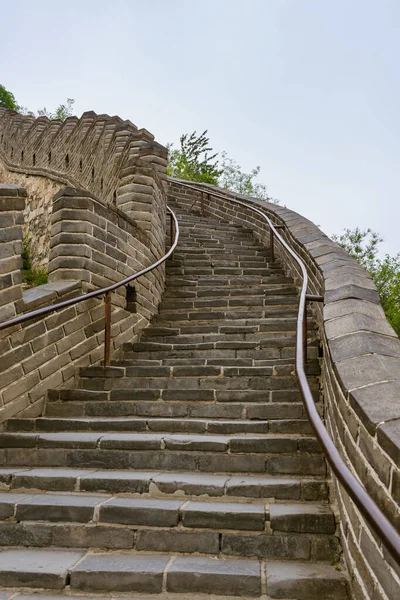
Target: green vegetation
{"points": [[363, 246], [192, 161], [7, 99], [195, 160], [62, 112], [32, 277]]}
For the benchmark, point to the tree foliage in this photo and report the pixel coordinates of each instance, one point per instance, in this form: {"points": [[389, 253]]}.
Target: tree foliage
{"points": [[62, 112], [234, 179], [363, 246], [195, 160], [7, 99]]}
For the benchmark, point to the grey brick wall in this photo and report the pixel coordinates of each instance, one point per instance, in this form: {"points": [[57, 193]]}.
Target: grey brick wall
{"points": [[120, 164], [360, 383]]}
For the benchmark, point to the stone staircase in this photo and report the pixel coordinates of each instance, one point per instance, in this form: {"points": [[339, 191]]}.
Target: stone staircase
{"points": [[187, 468]]}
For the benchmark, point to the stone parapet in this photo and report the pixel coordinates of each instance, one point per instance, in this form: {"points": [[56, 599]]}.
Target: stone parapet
{"points": [[114, 160], [361, 375], [92, 245]]}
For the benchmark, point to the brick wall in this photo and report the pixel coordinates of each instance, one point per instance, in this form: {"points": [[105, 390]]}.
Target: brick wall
{"points": [[361, 377], [107, 156], [92, 245]]}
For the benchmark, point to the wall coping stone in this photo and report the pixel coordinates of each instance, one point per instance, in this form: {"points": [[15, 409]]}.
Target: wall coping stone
{"points": [[42, 295]]}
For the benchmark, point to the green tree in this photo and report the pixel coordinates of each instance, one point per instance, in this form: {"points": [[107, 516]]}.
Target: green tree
{"points": [[363, 246], [7, 99], [193, 160], [234, 179], [62, 112]]}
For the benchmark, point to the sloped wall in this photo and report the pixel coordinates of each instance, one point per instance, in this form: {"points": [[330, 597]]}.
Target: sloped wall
{"points": [[107, 156], [361, 376], [108, 223]]}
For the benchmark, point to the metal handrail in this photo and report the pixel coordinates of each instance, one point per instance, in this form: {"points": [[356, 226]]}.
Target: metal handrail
{"points": [[106, 291], [367, 507]]}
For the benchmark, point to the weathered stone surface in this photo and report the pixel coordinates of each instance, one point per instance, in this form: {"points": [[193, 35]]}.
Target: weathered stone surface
{"points": [[363, 401], [302, 518], [223, 515], [211, 576], [53, 507], [135, 511], [305, 582], [36, 568], [119, 573]]}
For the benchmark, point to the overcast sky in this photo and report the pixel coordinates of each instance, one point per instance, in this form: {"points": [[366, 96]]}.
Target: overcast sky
{"points": [[307, 89]]}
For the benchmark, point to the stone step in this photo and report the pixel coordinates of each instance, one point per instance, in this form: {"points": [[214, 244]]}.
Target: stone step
{"points": [[195, 292], [268, 342], [204, 286], [159, 574], [206, 317], [214, 326], [228, 302], [157, 484], [169, 525], [202, 453], [275, 442], [178, 409], [311, 368], [258, 515], [210, 329], [188, 383], [200, 250], [209, 395], [152, 351], [185, 370], [260, 271], [153, 424], [223, 260]]}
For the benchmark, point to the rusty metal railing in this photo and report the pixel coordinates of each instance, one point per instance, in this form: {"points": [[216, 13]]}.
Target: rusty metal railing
{"points": [[367, 507], [106, 292]]}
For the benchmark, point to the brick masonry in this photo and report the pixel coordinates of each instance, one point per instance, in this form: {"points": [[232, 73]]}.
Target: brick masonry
{"points": [[108, 223], [111, 158], [361, 376]]}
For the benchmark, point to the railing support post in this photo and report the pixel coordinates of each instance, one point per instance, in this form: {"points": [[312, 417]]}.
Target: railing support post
{"points": [[107, 328], [172, 234], [202, 204], [271, 244], [305, 333]]}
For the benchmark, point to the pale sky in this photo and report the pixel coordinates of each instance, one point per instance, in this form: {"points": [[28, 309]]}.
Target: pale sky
{"points": [[307, 89]]}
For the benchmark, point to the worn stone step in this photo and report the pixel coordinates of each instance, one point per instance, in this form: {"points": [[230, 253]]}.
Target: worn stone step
{"points": [[306, 582], [152, 351], [265, 444], [149, 424], [268, 342], [227, 302], [133, 531], [197, 292], [235, 382], [37, 568], [311, 368], [127, 572], [158, 574], [305, 518], [185, 370], [204, 453], [158, 484], [179, 409]]}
